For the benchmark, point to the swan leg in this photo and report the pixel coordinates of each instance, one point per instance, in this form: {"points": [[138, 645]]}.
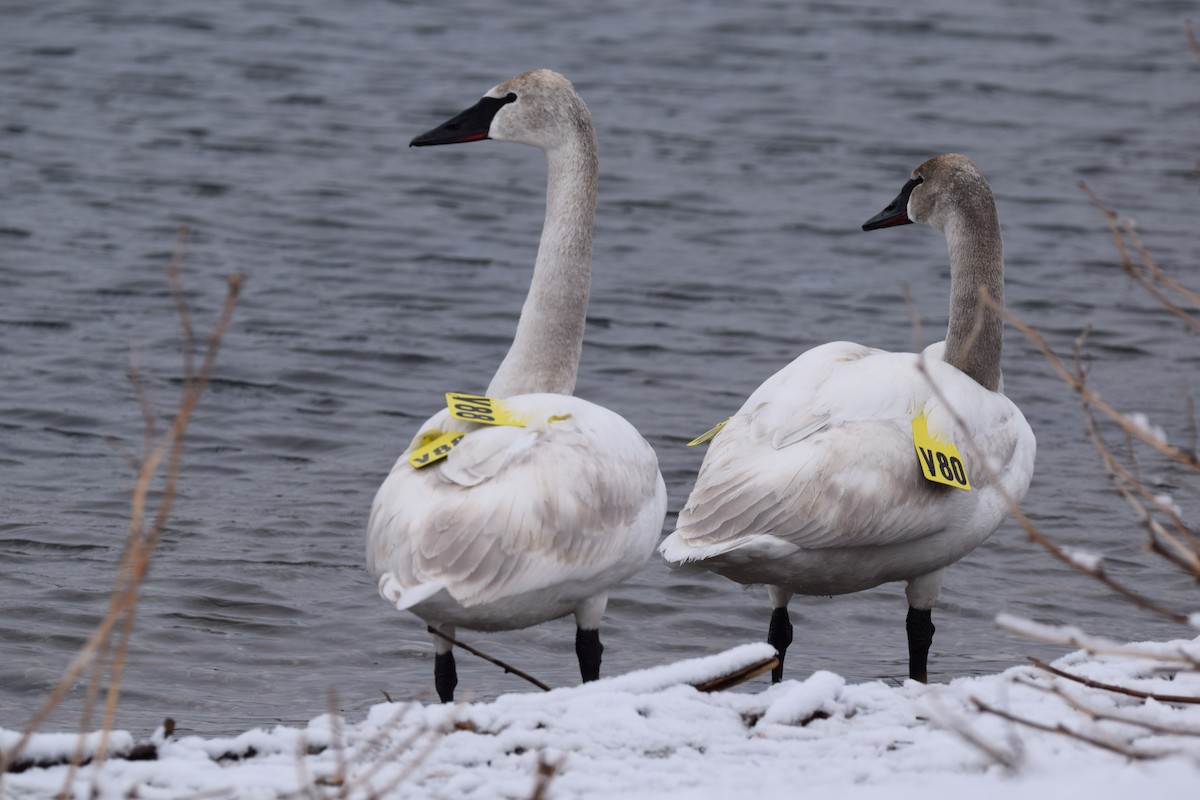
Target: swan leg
{"points": [[779, 634], [920, 636], [589, 650], [922, 593], [587, 636], [445, 675]]}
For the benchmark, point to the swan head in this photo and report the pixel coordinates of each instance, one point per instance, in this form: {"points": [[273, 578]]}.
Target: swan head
{"points": [[539, 108], [940, 190]]}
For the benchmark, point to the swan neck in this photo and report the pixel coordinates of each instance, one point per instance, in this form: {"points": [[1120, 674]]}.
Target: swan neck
{"points": [[544, 356], [975, 335]]}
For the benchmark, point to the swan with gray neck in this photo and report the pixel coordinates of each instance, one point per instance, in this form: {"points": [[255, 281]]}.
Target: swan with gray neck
{"points": [[815, 486], [519, 525]]}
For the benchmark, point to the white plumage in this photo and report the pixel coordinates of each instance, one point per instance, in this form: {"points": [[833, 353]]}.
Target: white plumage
{"points": [[814, 482], [519, 525], [814, 486]]}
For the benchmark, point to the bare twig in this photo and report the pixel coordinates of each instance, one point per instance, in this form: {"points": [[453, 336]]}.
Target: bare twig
{"points": [[170, 446], [1079, 705], [1076, 384], [339, 745], [546, 770], [136, 556], [1109, 687], [145, 402], [1009, 760], [1180, 548], [1031, 530], [1175, 655], [914, 319], [737, 677], [488, 658], [174, 275], [394, 754], [1148, 274], [1191, 417], [1061, 729]]}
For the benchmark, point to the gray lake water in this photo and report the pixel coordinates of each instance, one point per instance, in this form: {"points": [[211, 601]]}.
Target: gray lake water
{"points": [[742, 146]]}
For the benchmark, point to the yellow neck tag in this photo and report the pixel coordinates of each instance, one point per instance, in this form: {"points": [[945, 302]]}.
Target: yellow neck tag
{"points": [[435, 446], [484, 410], [939, 458], [708, 434]]}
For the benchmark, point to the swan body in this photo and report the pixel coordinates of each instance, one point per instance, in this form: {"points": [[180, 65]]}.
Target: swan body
{"points": [[814, 486], [517, 525], [520, 525]]}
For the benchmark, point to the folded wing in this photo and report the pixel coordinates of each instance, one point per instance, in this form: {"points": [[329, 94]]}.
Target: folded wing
{"points": [[573, 494]]}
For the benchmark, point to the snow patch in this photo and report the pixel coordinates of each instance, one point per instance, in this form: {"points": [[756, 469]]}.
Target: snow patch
{"points": [[1143, 424], [650, 735]]}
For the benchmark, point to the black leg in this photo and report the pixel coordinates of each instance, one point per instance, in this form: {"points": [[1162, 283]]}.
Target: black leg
{"points": [[779, 636], [920, 637], [588, 648], [445, 676]]}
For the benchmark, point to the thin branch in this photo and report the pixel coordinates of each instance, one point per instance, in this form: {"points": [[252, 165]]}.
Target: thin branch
{"points": [[377, 742], [738, 676], [1077, 385], [1077, 704], [1149, 275], [435, 738], [390, 757], [914, 319], [145, 402], [1191, 416], [546, 772], [174, 275], [488, 658], [174, 443], [135, 558], [1014, 507], [1011, 761], [1181, 553], [304, 784], [1173, 656], [1109, 687], [339, 744], [1183, 550], [1061, 729]]}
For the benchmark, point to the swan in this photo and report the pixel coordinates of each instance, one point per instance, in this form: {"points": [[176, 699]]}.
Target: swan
{"points": [[816, 486], [520, 525]]}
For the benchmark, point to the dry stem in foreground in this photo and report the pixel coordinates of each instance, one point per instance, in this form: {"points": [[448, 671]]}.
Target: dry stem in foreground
{"points": [[1167, 534], [161, 458]]}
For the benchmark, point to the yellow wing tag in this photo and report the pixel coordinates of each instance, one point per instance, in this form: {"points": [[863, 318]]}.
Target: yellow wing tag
{"points": [[939, 458], [484, 410], [708, 434], [435, 446]]}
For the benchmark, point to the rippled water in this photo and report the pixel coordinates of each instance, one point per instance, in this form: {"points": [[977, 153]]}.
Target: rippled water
{"points": [[742, 145]]}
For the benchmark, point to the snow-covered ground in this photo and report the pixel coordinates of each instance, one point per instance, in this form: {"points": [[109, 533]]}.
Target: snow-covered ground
{"points": [[650, 734]]}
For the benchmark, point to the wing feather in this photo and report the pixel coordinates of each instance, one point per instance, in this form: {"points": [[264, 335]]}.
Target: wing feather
{"points": [[510, 510], [821, 456]]}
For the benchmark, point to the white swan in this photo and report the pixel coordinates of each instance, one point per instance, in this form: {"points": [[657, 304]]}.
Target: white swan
{"points": [[519, 525], [816, 485]]}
